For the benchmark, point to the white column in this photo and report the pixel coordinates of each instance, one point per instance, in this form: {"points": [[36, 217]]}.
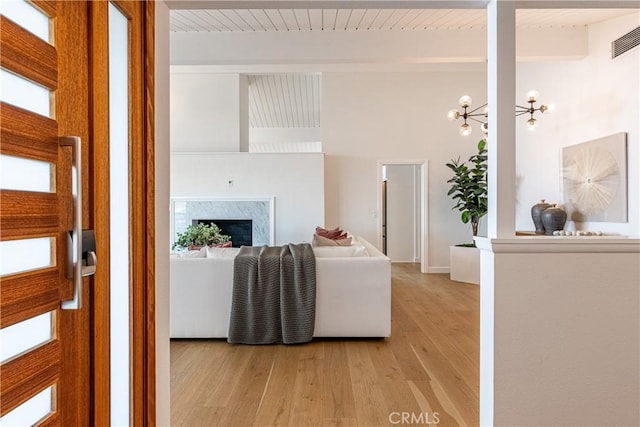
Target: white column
{"points": [[501, 67], [501, 84]]}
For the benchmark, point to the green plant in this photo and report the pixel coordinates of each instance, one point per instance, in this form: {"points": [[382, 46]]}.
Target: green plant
{"points": [[200, 235], [469, 186]]}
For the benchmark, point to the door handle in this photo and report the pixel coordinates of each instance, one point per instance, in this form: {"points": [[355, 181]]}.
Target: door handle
{"points": [[77, 267]]}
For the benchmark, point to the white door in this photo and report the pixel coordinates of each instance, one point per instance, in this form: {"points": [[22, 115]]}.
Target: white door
{"points": [[403, 213]]}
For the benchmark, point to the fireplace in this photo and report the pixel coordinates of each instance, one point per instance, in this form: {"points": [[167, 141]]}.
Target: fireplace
{"points": [[240, 230], [260, 211]]}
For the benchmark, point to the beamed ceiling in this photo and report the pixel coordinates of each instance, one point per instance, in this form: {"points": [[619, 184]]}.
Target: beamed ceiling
{"points": [[256, 20], [292, 100]]}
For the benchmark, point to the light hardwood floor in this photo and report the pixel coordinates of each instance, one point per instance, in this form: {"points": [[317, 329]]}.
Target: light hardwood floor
{"points": [[429, 365]]}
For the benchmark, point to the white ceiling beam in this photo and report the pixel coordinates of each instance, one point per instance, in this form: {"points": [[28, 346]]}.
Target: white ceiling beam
{"points": [[357, 47], [320, 47]]}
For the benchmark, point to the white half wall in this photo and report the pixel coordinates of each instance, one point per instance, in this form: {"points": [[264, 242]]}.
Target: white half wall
{"points": [[295, 180], [559, 321]]}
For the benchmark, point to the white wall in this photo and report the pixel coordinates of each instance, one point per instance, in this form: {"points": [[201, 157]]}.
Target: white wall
{"points": [[295, 180], [368, 117], [206, 112], [162, 349], [402, 210], [594, 97]]}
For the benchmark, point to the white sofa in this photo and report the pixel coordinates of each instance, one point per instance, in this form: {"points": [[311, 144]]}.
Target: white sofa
{"points": [[353, 293]]}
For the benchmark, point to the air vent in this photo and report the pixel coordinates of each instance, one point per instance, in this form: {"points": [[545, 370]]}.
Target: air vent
{"points": [[625, 43]]}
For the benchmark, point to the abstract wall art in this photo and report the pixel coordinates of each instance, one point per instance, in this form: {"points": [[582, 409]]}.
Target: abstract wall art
{"points": [[594, 179]]}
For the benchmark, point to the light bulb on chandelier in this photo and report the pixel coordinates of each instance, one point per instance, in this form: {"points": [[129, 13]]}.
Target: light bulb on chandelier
{"points": [[465, 129], [453, 114], [531, 124], [482, 111], [532, 95], [465, 101]]}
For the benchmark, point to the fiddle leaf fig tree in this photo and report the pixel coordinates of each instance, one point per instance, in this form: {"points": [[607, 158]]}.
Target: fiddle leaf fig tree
{"points": [[469, 186]]}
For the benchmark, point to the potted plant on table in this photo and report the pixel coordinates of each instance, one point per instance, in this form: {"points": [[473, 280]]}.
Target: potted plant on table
{"points": [[198, 236], [469, 191]]}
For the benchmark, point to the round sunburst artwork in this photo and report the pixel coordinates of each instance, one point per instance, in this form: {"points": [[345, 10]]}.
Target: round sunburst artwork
{"points": [[592, 178]]}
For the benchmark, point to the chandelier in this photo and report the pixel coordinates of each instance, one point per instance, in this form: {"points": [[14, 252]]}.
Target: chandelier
{"points": [[481, 113]]}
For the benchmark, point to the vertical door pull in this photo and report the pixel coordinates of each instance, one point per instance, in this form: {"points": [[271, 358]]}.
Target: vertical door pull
{"points": [[74, 262]]}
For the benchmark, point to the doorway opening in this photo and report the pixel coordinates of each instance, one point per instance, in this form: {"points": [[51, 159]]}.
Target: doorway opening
{"points": [[402, 201]]}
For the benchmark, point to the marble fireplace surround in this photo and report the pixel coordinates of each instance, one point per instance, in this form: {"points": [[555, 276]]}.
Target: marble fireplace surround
{"points": [[261, 210]]}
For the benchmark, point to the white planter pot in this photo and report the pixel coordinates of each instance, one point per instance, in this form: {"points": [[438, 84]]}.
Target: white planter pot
{"points": [[464, 264]]}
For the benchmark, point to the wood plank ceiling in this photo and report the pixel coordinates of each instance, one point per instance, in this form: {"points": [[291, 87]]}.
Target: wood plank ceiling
{"points": [[284, 100], [256, 20]]}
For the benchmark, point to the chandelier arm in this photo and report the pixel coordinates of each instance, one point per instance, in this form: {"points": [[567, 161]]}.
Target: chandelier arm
{"points": [[520, 113], [476, 120], [476, 109]]}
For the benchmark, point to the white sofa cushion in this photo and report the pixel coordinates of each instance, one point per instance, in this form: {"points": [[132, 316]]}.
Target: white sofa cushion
{"points": [[222, 252], [201, 253], [339, 251]]}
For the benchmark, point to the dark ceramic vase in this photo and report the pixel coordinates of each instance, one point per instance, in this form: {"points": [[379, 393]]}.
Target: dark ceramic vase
{"points": [[553, 219], [536, 215]]}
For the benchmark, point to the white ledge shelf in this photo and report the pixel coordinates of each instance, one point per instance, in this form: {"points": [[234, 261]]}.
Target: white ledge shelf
{"points": [[560, 244]]}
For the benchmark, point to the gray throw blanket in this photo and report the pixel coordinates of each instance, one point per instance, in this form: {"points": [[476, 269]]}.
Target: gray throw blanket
{"points": [[274, 295]]}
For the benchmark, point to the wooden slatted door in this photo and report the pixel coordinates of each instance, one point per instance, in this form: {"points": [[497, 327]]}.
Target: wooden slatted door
{"points": [[44, 93]]}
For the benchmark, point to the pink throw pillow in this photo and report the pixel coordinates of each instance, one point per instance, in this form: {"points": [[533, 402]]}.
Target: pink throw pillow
{"points": [[324, 241], [334, 234]]}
